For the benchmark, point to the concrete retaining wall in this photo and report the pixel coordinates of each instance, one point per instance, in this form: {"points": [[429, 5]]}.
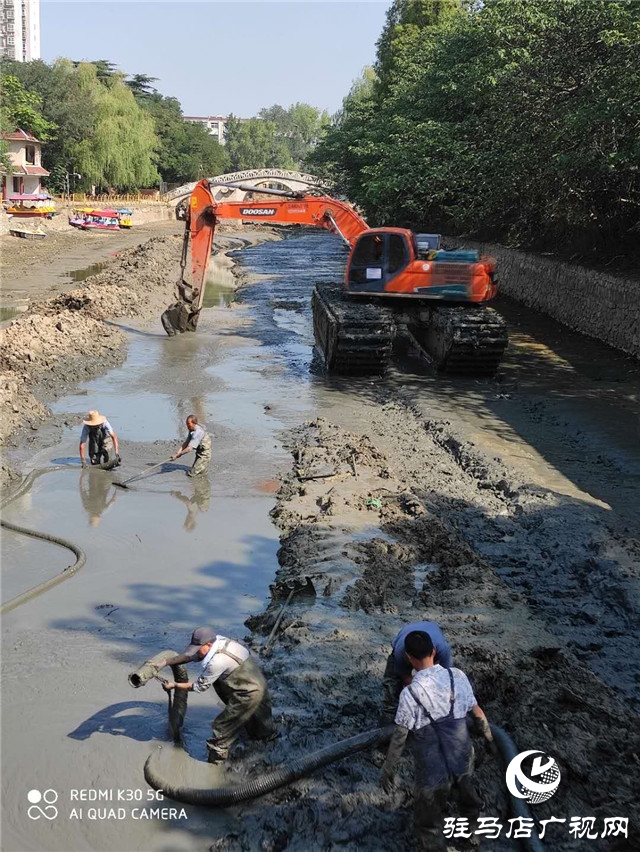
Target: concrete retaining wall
{"points": [[603, 306]]}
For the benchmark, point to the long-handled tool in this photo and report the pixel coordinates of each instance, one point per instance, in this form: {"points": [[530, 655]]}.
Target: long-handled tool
{"points": [[126, 482], [300, 586]]}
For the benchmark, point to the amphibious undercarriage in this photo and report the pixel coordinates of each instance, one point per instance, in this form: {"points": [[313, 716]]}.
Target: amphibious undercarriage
{"points": [[355, 337]]}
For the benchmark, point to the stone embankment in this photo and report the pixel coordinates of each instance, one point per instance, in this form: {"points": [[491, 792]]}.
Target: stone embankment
{"points": [[590, 301]]}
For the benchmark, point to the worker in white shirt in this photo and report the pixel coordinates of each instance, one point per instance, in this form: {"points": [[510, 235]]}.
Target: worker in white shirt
{"points": [[228, 666], [432, 716]]}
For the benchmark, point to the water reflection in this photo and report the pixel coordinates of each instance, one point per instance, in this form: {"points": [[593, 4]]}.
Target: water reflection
{"points": [[97, 494], [8, 312], [77, 275], [197, 503]]}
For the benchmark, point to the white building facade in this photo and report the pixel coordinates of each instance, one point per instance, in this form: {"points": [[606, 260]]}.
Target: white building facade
{"points": [[23, 182], [20, 29], [216, 125]]}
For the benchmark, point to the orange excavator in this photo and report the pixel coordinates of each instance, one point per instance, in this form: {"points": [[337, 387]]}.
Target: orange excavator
{"points": [[395, 281]]}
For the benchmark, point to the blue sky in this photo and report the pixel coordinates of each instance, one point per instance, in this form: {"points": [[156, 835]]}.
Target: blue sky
{"points": [[222, 57]]}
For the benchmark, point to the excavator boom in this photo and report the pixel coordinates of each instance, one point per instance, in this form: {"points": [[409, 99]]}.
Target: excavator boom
{"points": [[296, 209], [396, 283]]}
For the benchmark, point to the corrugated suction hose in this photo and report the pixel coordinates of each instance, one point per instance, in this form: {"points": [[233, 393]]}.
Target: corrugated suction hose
{"points": [[519, 807], [223, 796], [177, 703], [80, 555], [218, 797]]}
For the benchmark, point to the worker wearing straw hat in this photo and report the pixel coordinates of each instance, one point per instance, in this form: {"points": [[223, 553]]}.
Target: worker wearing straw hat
{"points": [[102, 440]]}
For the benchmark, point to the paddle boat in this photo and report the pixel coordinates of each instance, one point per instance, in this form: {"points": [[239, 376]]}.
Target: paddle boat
{"points": [[125, 217], [95, 220], [30, 206]]}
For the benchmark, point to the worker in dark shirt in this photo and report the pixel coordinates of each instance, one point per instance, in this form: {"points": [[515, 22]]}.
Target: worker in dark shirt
{"points": [[397, 673]]}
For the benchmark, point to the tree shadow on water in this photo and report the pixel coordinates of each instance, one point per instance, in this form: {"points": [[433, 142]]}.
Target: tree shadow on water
{"points": [[158, 616]]}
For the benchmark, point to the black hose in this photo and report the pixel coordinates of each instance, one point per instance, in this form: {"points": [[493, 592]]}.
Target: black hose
{"points": [[80, 555], [233, 795], [519, 807], [177, 706], [223, 796]]}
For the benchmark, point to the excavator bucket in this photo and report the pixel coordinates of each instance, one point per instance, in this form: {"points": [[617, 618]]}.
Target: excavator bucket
{"points": [[183, 314]]}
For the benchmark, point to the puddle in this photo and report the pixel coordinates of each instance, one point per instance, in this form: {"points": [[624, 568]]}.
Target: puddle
{"points": [[8, 312], [77, 275], [131, 396], [219, 294]]}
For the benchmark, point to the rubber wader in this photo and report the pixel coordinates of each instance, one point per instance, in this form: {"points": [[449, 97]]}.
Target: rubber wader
{"points": [[443, 756], [247, 703]]}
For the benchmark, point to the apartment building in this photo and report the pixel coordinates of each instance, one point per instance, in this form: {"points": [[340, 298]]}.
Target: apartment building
{"points": [[20, 29], [215, 125]]}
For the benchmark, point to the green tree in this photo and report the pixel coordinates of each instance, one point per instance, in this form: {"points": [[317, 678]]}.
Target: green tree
{"points": [[297, 128], [255, 144], [22, 108], [349, 145], [121, 150], [141, 84], [186, 150], [505, 119], [101, 131]]}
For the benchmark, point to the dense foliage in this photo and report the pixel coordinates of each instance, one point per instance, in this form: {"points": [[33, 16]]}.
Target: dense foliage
{"points": [[186, 151], [516, 120], [277, 138], [114, 132]]}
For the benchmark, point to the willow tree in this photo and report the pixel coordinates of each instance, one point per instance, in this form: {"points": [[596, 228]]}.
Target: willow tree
{"points": [[121, 149]]}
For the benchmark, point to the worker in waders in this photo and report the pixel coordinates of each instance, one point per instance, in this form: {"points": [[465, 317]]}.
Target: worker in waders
{"points": [[432, 717], [199, 442], [397, 673], [228, 666], [102, 441]]}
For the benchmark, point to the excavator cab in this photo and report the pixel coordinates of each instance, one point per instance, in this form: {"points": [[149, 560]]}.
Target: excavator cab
{"points": [[378, 256]]}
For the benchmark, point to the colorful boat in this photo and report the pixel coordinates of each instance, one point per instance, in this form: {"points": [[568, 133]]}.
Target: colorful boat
{"points": [[88, 219], [125, 217], [35, 206]]}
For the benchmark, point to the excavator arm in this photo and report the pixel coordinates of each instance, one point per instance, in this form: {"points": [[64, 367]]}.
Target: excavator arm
{"points": [[294, 209]]}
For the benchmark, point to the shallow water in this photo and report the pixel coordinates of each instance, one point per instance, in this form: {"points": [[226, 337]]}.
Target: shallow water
{"points": [[163, 557], [171, 554], [77, 275]]}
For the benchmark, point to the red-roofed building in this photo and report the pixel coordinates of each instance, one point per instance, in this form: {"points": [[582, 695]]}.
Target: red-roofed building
{"points": [[24, 152]]}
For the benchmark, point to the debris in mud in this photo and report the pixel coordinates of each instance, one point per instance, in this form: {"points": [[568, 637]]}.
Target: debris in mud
{"points": [[413, 563], [37, 347], [288, 305]]}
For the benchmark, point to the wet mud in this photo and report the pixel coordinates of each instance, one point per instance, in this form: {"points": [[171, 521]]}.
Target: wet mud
{"points": [[381, 553], [501, 509]]}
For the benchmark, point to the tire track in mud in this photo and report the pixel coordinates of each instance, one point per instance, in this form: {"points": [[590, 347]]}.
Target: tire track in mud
{"points": [[384, 549]]}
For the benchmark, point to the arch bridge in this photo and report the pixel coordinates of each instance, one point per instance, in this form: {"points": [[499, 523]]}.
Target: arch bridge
{"points": [[260, 178]]}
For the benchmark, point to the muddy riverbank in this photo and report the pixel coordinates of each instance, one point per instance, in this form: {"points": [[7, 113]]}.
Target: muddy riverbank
{"points": [[79, 333], [501, 509], [34, 269]]}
